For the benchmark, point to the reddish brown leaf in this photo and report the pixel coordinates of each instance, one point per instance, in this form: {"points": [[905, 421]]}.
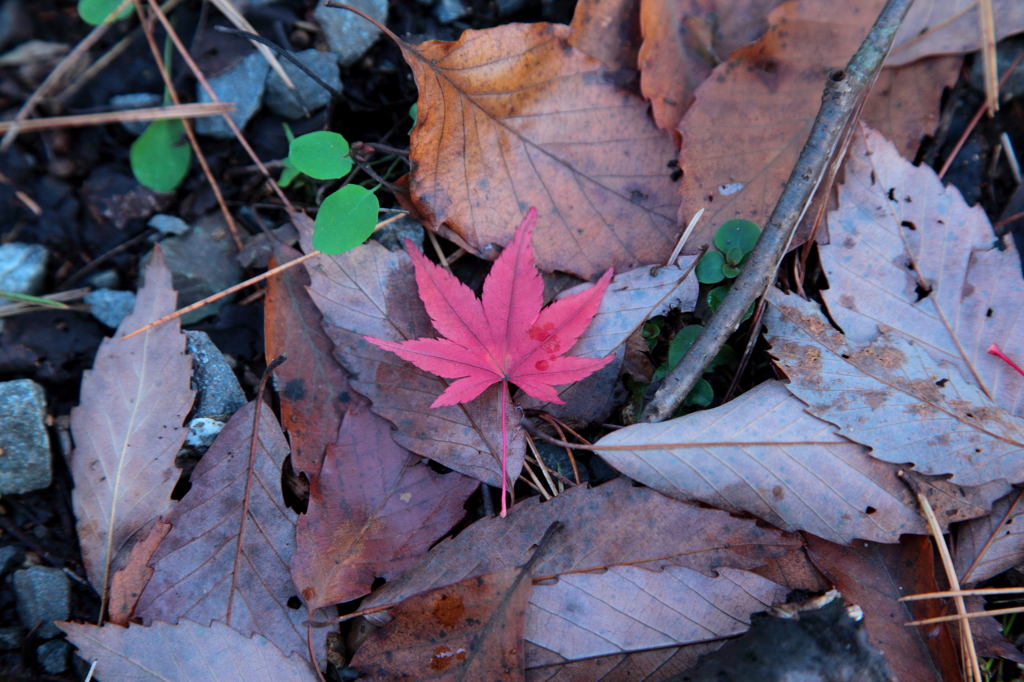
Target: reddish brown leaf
{"points": [[472, 630], [935, 27], [186, 652], [199, 573], [127, 583], [874, 577], [989, 640], [795, 571], [313, 387], [607, 30], [373, 510], [128, 428], [751, 117], [512, 117], [600, 530], [647, 666], [1003, 533]]}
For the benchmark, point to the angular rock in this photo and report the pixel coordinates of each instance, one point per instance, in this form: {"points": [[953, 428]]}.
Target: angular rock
{"points": [[104, 279], [349, 35], [15, 24], [119, 198], [11, 638], [9, 555], [25, 462], [242, 84], [447, 11], [22, 268], [283, 101], [258, 249], [110, 307], [136, 100], [168, 224], [219, 393], [393, 235], [53, 656], [43, 595], [202, 431]]}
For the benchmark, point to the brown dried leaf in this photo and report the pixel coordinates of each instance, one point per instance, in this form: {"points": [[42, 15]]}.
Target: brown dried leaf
{"points": [[607, 30], [628, 608], [373, 510], [471, 630], [762, 453], [647, 666], [127, 583], [1007, 541], [897, 229], [199, 574], [313, 387], [186, 652], [750, 119], [368, 291], [513, 117], [934, 27], [128, 428], [600, 530], [892, 397]]}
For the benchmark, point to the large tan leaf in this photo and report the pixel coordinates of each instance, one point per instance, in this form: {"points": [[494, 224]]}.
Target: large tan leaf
{"points": [[374, 509], [934, 27], [128, 428], [601, 529], [513, 117], [203, 572], [750, 119], [628, 608], [899, 229], [998, 539], [370, 291], [186, 652], [892, 397], [762, 453]]}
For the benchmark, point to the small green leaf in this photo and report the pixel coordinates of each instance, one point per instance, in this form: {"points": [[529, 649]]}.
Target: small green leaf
{"points": [[726, 356], [414, 113], [289, 135], [345, 220], [659, 373], [701, 394], [160, 157], [322, 155], [741, 234], [731, 272], [288, 172], [681, 343], [717, 295], [734, 256], [709, 268], [93, 12]]}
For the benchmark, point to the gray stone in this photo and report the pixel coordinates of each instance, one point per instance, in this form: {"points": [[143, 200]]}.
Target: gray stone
{"points": [[243, 85], [11, 638], [136, 100], [393, 235], [202, 263], [110, 307], [202, 432], [15, 24], [219, 393], [22, 268], [349, 35], [447, 11], [9, 555], [104, 279], [168, 224], [258, 249], [53, 656], [507, 7], [25, 462], [43, 595], [280, 99]]}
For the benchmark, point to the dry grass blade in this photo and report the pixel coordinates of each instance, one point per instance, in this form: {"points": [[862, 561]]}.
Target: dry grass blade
{"points": [[59, 298], [965, 617], [988, 54], [152, 114], [977, 592]]}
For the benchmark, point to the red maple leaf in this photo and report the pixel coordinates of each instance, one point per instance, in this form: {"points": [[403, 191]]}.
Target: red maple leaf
{"points": [[506, 336]]}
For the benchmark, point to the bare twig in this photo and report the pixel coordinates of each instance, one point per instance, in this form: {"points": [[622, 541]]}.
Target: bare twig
{"points": [[151, 114], [843, 91], [964, 617], [988, 55], [979, 592]]}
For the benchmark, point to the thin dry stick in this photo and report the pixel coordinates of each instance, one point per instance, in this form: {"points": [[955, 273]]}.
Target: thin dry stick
{"points": [[988, 55], [965, 617], [150, 114], [967, 639], [977, 592], [843, 91], [568, 451], [540, 463], [683, 239], [189, 132], [274, 364], [183, 51], [538, 486], [55, 77], [60, 297], [991, 538], [438, 251], [228, 9]]}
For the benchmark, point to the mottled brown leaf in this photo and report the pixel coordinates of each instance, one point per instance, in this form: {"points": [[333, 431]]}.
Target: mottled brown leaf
{"points": [[186, 652], [128, 428], [471, 630], [1002, 531], [934, 27], [374, 509], [513, 117], [313, 387], [203, 572], [607, 30], [647, 666], [127, 583], [616, 523], [898, 231]]}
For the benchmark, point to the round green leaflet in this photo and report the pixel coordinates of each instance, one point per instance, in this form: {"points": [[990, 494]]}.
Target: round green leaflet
{"points": [[93, 12], [161, 156], [345, 220], [736, 233], [322, 155], [709, 268]]}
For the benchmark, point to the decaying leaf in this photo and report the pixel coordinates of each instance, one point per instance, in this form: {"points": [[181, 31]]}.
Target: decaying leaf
{"points": [[128, 428], [764, 454], [203, 572], [629, 608], [892, 397], [935, 27], [907, 254], [373, 510], [471, 630], [656, 665], [127, 583], [601, 530], [186, 652], [512, 117], [607, 30], [750, 119], [313, 387], [1000, 535], [368, 292]]}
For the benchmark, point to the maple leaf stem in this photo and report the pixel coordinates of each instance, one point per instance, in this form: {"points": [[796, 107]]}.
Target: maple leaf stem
{"points": [[504, 447], [994, 350]]}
